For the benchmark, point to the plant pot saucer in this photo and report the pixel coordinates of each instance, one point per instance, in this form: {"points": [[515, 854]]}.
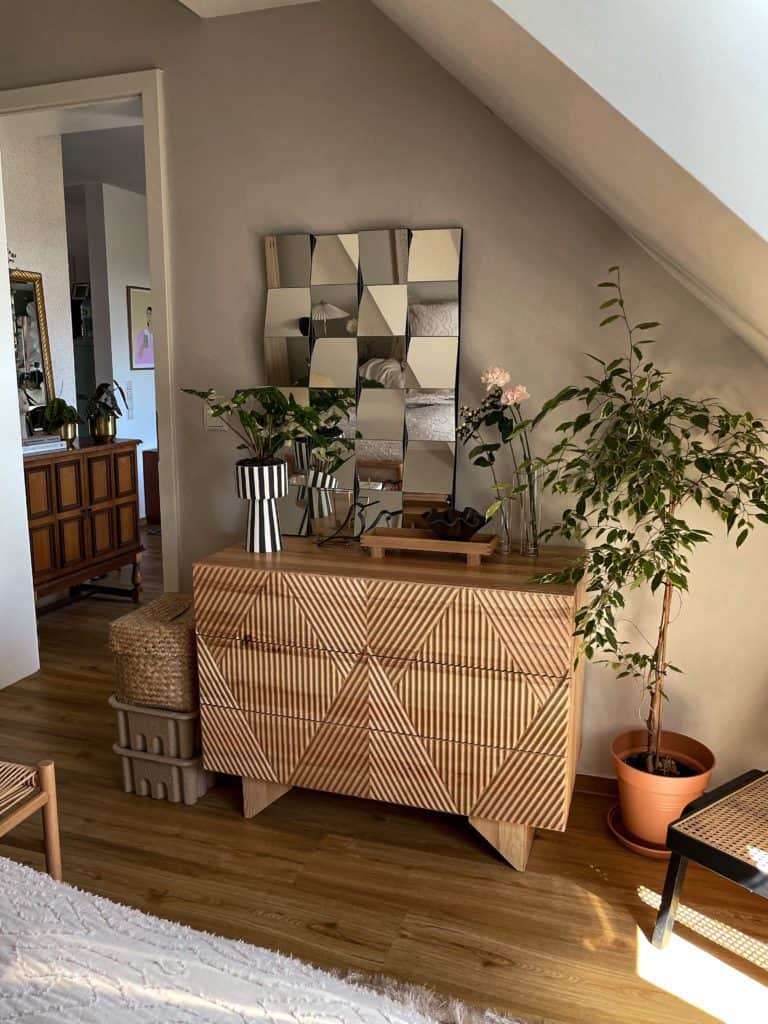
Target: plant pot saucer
{"points": [[645, 849]]}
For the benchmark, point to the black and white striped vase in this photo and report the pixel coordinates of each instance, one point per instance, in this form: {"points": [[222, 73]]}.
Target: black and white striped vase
{"points": [[261, 485], [321, 487]]}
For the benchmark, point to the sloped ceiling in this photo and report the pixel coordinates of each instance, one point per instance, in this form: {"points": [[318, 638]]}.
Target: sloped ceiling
{"points": [[220, 8], [694, 235]]}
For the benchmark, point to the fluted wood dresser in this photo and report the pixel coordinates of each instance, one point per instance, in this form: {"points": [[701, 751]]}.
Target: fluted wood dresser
{"points": [[415, 679]]}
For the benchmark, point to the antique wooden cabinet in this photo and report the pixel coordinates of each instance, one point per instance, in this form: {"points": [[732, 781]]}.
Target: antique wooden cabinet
{"points": [[83, 511], [415, 679]]}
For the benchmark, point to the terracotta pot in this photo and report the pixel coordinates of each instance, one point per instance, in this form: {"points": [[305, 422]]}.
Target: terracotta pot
{"points": [[650, 802]]}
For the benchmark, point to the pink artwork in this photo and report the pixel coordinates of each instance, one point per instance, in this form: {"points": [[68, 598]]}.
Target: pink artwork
{"points": [[142, 343]]}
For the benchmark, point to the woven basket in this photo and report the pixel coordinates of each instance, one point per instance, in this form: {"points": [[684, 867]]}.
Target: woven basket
{"points": [[155, 657]]}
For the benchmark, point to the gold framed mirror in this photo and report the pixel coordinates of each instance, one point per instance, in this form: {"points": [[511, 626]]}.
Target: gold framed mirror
{"points": [[32, 349]]}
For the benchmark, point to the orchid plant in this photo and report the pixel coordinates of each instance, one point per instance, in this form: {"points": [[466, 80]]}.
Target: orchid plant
{"points": [[500, 411]]}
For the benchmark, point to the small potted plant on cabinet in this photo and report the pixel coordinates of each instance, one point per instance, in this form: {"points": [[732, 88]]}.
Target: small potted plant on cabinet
{"points": [[63, 418], [635, 459], [103, 410], [266, 421]]}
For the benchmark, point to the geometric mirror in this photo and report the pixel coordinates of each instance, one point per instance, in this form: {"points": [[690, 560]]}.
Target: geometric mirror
{"points": [[365, 326]]}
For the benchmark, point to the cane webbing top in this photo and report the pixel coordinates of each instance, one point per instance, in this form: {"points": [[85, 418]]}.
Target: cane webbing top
{"points": [[737, 824], [17, 784]]}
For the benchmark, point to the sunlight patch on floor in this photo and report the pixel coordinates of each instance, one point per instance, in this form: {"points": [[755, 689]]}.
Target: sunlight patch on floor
{"points": [[753, 950], [701, 980]]}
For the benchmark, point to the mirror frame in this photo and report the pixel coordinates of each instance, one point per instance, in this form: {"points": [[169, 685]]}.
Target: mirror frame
{"points": [[36, 280]]}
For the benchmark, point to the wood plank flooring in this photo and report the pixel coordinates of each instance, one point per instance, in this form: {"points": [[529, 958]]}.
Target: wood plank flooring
{"points": [[351, 884]]}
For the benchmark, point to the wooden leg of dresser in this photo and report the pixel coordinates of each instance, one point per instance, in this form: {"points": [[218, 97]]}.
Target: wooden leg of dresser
{"points": [[257, 795], [513, 841]]}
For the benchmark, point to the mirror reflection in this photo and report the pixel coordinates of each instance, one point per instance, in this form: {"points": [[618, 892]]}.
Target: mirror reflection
{"points": [[433, 309], [335, 259], [380, 465], [334, 363], [286, 360], [381, 414], [429, 467], [432, 362], [290, 265], [365, 327], [286, 307], [383, 310], [434, 255], [430, 414], [384, 256], [382, 362], [34, 373], [334, 310]]}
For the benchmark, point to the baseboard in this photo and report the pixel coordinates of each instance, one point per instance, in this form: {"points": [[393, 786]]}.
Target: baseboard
{"points": [[597, 785]]}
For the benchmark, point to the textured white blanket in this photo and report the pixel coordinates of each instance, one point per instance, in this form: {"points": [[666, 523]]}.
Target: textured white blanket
{"points": [[69, 956]]}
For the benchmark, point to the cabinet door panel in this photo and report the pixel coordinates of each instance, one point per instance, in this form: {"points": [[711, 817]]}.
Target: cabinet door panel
{"points": [[125, 473], [127, 521], [39, 491], [69, 484], [99, 475], [102, 532], [42, 542], [72, 541]]}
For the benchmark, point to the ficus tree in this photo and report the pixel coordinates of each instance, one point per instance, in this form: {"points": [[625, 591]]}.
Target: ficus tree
{"points": [[634, 461]]}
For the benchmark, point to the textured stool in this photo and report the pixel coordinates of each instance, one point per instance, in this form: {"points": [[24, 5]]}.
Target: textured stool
{"points": [[24, 790], [726, 831]]}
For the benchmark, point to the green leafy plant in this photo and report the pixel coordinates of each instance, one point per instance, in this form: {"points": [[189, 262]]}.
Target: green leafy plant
{"points": [[264, 419], [635, 458], [58, 413], [103, 402], [330, 447]]}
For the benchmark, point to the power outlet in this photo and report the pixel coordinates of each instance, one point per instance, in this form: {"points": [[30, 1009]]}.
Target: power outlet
{"points": [[212, 422]]}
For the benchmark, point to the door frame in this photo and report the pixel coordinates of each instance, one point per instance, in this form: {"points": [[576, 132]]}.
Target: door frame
{"points": [[148, 85]]}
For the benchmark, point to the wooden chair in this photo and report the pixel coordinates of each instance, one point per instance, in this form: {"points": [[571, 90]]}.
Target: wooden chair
{"points": [[23, 791], [726, 831]]}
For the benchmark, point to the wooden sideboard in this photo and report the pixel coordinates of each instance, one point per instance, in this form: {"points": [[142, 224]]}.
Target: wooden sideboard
{"points": [[83, 512], [415, 679]]}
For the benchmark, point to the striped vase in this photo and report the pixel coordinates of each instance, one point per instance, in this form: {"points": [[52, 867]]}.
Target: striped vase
{"points": [[321, 487], [261, 485]]}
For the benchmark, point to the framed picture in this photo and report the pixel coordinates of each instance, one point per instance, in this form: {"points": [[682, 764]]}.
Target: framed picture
{"points": [[140, 338]]}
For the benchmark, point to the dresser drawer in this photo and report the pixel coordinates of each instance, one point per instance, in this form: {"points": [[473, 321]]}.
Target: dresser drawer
{"points": [[293, 609], [501, 630], [494, 709], [294, 681], [457, 778]]}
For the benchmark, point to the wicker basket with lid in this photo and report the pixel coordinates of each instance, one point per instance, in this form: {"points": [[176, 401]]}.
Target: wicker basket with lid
{"points": [[155, 657]]}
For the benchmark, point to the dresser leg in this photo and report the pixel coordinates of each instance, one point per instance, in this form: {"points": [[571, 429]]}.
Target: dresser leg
{"points": [[257, 795], [513, 841], [136, 578]]}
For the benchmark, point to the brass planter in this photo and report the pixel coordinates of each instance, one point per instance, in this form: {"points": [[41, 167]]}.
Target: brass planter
{"points": [[68, 433], [104, 428]]}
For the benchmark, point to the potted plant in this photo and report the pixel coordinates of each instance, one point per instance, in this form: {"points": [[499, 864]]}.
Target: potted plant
{"points": [[103, 409], [62, 417], [636, 460], [266, 421], [500, 412]]}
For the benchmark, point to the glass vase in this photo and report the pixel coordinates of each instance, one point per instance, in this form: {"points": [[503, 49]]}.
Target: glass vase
{"points": [[506, 518], [528, 495]]}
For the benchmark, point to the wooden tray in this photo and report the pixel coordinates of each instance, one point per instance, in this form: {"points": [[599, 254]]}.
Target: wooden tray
{"points": [[383, 539]]}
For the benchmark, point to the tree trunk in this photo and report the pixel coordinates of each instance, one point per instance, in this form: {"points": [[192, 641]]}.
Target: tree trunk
{"points": [[653, 723]]}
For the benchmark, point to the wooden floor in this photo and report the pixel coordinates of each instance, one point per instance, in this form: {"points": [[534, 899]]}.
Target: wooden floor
{"points": [[351, 884]]}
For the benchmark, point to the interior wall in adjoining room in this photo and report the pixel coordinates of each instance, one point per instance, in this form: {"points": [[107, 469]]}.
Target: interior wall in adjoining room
{"points": [[18, 625], [119, 258], [334, 120], [37, 233]]}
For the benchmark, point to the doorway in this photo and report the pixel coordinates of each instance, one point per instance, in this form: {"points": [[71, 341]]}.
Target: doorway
{"points": [[138, 96]]}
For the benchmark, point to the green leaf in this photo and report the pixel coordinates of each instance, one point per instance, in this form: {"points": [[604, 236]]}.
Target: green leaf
{"points": [[741, 538], [607, 303], [646, 325], [609, 319]]}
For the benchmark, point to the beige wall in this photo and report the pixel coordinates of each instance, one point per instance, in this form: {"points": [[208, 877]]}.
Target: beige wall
{"points": [[37, 233], [325, 117]]}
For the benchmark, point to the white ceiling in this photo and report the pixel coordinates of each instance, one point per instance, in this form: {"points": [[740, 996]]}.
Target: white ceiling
{"points": [[219, 8], [63, 120]]}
